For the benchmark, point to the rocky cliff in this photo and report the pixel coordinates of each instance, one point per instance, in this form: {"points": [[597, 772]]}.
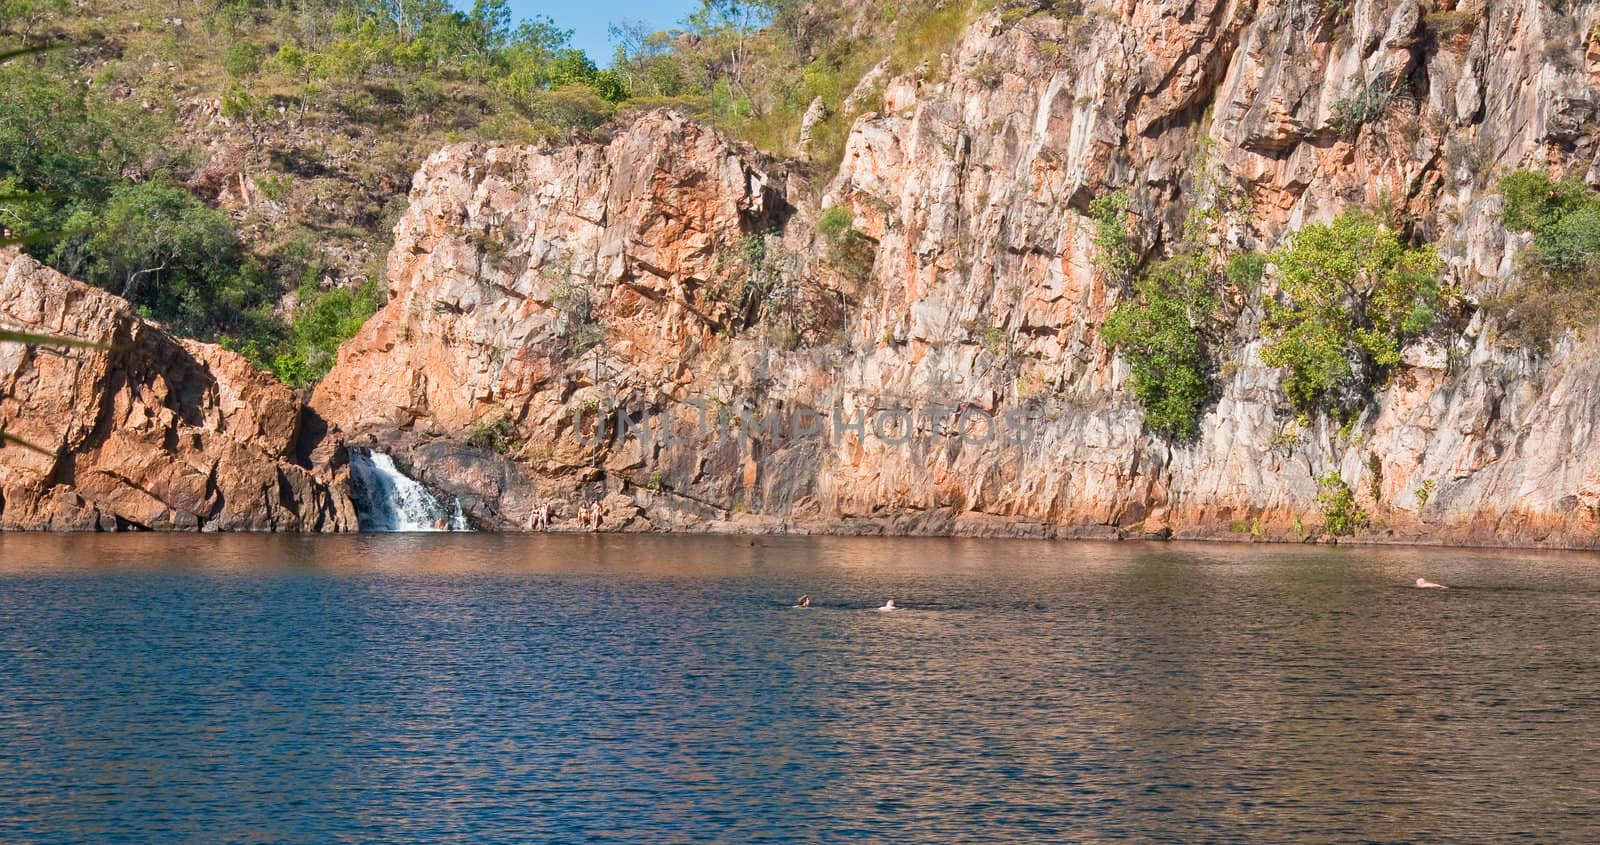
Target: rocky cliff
{"points": [[541, 298], [532, 290], [150, 432]]}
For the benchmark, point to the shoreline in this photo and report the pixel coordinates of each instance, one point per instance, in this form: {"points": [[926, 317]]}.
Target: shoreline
{"points": [[755, 527]]}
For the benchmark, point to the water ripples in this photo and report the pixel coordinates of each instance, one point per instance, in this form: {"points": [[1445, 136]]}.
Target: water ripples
{"points": [[600, 689]]}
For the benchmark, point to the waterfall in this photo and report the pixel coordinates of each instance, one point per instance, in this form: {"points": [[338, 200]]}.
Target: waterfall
{"points": [[387, 499]]}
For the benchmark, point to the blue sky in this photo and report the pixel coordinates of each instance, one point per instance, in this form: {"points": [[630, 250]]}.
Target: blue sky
{"points": [[588, 19]]}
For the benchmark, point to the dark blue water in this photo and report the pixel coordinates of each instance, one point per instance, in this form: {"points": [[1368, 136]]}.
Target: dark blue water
{"points": [[646, 689]]}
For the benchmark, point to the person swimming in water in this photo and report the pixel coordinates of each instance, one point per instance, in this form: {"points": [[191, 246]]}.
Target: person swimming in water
{"points": [[888, 606], [1425, 584], [804, 601]]}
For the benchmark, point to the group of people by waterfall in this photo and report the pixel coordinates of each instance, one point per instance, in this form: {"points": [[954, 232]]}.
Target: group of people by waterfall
{"points": [[590, 515]]}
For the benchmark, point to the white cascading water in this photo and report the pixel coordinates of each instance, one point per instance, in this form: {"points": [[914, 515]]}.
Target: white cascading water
{"points": [[387, 499]]}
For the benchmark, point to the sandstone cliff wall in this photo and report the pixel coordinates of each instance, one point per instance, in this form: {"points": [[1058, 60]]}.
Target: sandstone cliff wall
{"points": [[661, 269], [531, 283], [154, 433]]}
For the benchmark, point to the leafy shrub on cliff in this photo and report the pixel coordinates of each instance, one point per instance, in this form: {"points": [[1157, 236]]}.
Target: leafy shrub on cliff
{"points": [[579, 329], [1536, 313], [325, 318], [1114, 255], [1158, 328], [751, 280], [1352, 293], [1171, 320], [1245, 271], [1563, 216], [497, 434], [848, 251], [834, 221], [1341, 516], [1561, 269], [1161, 333], [1365, 105]]}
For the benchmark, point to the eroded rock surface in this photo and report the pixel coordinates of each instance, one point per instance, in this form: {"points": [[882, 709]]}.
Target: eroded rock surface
{"points": [[531, 284], [664, 270], [155, 433]]}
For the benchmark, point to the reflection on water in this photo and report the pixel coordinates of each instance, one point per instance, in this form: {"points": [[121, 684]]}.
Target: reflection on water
{"points": [[608, 688]]}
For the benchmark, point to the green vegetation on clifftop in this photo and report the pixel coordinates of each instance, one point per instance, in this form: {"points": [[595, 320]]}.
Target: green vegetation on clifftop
{"points": [[206, 162], [236, 168]]}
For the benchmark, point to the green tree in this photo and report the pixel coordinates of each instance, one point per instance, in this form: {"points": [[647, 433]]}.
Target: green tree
{"points": [[243, 59], [406, 17], [1170, 318], [1352, 293], [646, 62], [1341, 516], [477, 39], [1161, 333], [324, 319], [156, 246], [732, 24]]}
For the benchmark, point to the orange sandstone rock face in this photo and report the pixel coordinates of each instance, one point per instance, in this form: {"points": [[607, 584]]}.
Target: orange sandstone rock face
{"points": [[156, 433], [508, 257], [532, 284], [666, 271]]}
